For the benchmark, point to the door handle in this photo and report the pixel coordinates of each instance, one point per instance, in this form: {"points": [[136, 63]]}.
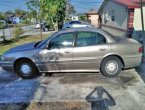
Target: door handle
{"points": [[102, 49], [67, 51]]}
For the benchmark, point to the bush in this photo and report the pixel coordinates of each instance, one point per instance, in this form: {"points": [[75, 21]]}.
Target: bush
{"points": [[18, 32]]}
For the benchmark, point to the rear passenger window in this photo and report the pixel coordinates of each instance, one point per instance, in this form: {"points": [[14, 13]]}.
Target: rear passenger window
{"points": [[89, 39]]}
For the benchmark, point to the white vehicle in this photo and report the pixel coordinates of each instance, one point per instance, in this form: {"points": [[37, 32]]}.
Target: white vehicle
{"points": [[37, 26], [76, 24]]}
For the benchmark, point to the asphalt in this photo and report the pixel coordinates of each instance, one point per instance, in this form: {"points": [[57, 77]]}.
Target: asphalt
{"points": [[70, 91]]}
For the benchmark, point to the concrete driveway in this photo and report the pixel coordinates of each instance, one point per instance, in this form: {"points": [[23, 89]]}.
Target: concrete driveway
{"points": [[69, 91]]}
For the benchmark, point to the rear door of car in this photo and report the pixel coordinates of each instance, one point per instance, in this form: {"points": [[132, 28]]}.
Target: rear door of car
{"points": [[89, 49]]}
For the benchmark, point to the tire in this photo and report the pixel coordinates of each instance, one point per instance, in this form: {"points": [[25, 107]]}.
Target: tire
{"points": [[26, 69], [111, 66]]}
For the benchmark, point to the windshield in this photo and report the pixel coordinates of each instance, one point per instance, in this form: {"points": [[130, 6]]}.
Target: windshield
{"points": [[117, 38], [40, 43]]}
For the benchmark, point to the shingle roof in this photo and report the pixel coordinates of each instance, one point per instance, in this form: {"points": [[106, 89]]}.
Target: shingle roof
{"points": [[131, 4]]}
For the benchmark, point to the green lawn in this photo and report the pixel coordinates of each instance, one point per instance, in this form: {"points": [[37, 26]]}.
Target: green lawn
{"points": [[12, 43]]}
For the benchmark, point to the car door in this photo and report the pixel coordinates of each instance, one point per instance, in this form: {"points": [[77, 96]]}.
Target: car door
{"points": [[58, 56], [89, 49]]}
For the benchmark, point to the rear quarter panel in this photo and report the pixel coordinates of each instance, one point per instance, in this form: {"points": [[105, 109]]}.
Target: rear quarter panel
{"points": [[128, 51]]}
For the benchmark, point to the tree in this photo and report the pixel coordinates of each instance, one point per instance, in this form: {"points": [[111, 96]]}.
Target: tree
{"points": [[70, 9], [34, 7], [9, 12], [20, 12], [2, 16], [3, 30], [53, 11]]}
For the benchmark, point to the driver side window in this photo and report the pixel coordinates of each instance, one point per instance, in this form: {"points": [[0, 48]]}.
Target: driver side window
{"points": [[61, 41]]}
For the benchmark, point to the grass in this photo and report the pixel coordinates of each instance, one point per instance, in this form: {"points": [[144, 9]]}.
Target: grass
{"points": [[25, 39]]}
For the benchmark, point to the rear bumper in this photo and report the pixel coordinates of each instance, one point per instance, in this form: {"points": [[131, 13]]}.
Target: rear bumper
{"points": [[132, 61], [7, 65]]}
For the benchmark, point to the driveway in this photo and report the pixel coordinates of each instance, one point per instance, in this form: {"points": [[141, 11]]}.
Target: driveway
{"points": [[69, 91]]}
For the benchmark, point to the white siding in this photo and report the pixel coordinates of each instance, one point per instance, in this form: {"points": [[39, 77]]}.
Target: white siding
{"points": [[137, 34], [121, 18], [137, 19]]}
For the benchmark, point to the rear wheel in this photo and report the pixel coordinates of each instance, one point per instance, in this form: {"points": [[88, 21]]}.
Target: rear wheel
{"points": [[111, 66], [26, 69]]}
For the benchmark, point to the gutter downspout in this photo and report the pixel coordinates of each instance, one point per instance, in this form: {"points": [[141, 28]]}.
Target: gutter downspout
{"points": [[142, 22]]}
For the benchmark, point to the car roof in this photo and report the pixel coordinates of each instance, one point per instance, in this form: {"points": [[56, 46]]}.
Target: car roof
{"points": [[90, 29]]}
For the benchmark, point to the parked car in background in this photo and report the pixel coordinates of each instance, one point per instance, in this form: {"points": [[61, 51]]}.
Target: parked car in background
{"points": [[37, 26], [74, 50], [41, 25], [76, 24]]}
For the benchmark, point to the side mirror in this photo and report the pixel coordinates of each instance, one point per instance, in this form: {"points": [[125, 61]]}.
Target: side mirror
{"points": [[47, 46]]}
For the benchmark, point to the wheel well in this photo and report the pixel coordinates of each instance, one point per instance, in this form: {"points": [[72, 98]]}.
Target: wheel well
{"points": [[117, 57], [20, 59]]}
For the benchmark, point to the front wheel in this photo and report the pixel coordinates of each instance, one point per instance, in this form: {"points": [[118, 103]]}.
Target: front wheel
{"points": [[26, 69], [111, 66]]}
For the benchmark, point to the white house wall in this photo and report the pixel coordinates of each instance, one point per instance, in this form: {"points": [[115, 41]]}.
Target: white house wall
{"points": [[119, 26], [137, 19], [137, 34]]}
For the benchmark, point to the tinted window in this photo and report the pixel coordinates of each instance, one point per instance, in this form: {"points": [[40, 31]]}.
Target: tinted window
{"points": [[89, 39], [62, 41], [75, 22]]}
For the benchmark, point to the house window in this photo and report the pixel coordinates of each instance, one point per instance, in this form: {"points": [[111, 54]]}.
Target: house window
{"points": [[105, 17], [112, 15]]}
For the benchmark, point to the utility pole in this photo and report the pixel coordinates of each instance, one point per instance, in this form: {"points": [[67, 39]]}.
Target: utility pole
{"points": [[143, 31], [39, 18]]}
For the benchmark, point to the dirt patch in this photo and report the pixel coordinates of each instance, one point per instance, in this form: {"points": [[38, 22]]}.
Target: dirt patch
{"points": [[83, 78], [60, 105]]}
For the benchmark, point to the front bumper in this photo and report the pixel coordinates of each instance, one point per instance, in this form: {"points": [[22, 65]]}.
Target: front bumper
{"points": [[7, 65]]}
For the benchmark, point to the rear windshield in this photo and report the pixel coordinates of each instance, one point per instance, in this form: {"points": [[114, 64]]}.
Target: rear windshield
{"points": [[115, 37]]}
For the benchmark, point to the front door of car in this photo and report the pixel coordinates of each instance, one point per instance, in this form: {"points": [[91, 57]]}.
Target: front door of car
{"points": [[89, 49], [58, 56]]}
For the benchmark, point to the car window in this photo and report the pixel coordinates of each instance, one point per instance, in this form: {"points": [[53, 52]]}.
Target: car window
{"points": [[75, 22], [62, 41], [89, 39]]}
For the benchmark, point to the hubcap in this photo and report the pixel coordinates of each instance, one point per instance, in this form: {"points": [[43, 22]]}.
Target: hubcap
{"points": [[25, 69], [111, 67]]}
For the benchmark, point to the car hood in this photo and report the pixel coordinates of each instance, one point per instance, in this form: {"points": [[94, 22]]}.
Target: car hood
{"points": [[23, 47]]}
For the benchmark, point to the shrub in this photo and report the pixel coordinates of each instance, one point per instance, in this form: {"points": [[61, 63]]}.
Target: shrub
{"points": [[18, 32]]}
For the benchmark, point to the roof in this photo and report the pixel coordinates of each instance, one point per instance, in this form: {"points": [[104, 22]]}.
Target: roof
{"points": [[130, 4], [93, 11]]}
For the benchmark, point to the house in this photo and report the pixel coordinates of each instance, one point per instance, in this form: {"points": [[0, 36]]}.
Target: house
{"points": [[15, 19], [117, 16], [92, 17]]}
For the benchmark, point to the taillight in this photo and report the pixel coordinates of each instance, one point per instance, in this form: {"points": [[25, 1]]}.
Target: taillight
{"points": [[140, 50]]}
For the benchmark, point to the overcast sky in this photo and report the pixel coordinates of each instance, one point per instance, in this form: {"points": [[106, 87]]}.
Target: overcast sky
{"points": [[81, 6]]}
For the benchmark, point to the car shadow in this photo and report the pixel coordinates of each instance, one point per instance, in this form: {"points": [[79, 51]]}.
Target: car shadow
{"points": [[16, 93]]}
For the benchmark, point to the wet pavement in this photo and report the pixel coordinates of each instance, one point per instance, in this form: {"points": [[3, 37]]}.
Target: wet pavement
{"points": [[68, 91]]}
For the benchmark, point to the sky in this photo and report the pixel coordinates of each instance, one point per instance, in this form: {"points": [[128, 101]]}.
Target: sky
{"points": [[81, 6]]}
